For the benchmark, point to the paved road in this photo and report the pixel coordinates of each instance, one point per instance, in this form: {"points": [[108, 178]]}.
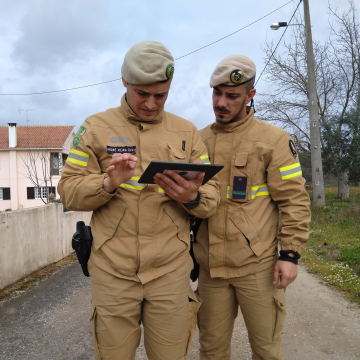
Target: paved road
{"points": [[51, 321]]}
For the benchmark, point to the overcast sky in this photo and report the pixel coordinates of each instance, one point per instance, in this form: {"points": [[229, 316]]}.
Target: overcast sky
{"points": [[53, 45]]}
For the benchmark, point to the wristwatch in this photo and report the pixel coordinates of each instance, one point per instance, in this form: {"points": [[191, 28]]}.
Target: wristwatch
{"points": [[193, 203]]}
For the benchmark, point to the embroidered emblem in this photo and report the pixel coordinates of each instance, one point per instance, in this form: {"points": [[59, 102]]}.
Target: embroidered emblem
{"points": [[121, 149], [78, 136], [239, 187], [292, 148], [236, 76], [169, 71]]}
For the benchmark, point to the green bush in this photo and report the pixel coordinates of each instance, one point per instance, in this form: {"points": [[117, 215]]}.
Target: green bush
{"points": [[350, 256]]}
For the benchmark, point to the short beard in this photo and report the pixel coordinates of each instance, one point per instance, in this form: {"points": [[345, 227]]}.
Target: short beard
{"points": [[236, 117]]}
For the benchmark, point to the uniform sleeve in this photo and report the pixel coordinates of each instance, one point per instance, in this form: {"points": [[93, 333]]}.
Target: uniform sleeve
{"points": [[286, 187], [81, 183], [210, 192]]}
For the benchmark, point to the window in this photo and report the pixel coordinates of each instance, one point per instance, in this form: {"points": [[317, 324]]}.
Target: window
{"points": [[54, 164], [5, 194], [40, 192]]}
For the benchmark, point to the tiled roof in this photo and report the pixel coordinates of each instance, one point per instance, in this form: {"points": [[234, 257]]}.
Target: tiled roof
{"points": [[41, 137]]}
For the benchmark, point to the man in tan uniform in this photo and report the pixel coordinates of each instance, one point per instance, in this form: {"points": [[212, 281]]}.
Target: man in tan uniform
{"points": [[237, 248], [140, 263]]}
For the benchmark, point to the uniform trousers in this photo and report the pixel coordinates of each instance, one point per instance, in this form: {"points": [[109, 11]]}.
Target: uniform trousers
{"points": [[166, 306], [262, 306]]}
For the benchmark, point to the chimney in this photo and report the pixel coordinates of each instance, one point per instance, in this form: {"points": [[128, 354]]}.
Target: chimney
{"points": [[12, 135]]}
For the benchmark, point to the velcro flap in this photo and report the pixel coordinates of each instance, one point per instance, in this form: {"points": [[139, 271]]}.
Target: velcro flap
{"points": [[241, 159], [178, 153]]}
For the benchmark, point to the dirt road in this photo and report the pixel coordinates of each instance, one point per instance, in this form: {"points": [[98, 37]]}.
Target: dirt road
{"points": [[51, 321]]}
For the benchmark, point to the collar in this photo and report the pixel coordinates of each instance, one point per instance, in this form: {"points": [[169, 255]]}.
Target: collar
{"points": [[235, 126], [134, 118]]}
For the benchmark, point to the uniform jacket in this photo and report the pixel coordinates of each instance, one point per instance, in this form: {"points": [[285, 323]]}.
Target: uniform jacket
{"points": [[262, 175], [139, 232]]}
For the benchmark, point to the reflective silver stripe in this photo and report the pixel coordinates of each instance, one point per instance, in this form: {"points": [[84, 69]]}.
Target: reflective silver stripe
{"points": [[78, 157], [260, 190], [291, 171], [133, 184], [205, 159]]}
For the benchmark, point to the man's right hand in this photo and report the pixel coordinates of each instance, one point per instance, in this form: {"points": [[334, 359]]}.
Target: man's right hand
{"points": [[120, 170]]}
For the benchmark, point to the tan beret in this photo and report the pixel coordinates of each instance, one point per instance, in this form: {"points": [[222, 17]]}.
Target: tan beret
{"points": [[234, 70], [147, 62]]}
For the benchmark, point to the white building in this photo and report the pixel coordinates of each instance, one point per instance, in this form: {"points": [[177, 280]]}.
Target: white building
{"points": [[31, 160]]}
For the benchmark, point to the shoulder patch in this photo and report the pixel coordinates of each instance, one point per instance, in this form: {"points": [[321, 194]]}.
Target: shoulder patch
{"points": [[292, 148], [78, 135]]}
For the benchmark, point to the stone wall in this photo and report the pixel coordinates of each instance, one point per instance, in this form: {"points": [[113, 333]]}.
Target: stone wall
{"points": [[31, 239]]}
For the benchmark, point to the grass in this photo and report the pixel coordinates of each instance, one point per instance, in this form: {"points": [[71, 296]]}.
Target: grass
{"points": [[333, 250], [31, 280]]}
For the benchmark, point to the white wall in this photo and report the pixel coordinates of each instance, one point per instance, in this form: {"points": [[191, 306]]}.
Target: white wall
{"points": [[31, 239]]}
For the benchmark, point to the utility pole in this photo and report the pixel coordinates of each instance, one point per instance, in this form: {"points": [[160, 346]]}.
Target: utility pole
{"points": [[316, 160]]}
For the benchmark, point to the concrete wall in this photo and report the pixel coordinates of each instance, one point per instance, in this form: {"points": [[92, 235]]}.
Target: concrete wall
{"points": [[31, 239]]}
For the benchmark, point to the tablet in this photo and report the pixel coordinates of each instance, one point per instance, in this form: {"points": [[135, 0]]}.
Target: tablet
{"points": [[188, 171]]}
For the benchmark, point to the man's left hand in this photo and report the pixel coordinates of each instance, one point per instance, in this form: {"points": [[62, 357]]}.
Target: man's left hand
{"points": [[286, 272], [180, 190]]}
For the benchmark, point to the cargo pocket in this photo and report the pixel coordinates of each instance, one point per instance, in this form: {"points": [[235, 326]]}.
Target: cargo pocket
{"points": [[280, 312], [96, 344], [242, 222], [193, 308], [103, 222], [175, 154], [177, 214]]}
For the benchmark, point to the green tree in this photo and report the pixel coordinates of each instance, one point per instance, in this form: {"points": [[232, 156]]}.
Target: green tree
{"points": [[341, 151], [337, 72]]}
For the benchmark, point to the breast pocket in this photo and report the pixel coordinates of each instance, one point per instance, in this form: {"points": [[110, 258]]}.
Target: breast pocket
{"points": [[175, 154], [239, 189]]}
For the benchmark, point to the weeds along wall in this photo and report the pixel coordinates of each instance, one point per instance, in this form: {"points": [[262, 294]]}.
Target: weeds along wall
{"points": [[31, 239]]}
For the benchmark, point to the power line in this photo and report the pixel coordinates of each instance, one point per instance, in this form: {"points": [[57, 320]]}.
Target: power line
{"points": [[234, 31], [278, 43], [192, 52]]}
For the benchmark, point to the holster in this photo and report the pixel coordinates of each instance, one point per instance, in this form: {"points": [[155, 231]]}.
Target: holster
{"points": [[194, 227], [81, 243]]}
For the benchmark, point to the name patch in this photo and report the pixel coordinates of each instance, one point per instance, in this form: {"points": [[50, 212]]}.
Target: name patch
{"points": [[121, 149], [239, 187]]}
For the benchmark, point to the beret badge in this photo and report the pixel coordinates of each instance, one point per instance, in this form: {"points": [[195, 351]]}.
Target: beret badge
{"points": [[236, 76], [169, 71]]}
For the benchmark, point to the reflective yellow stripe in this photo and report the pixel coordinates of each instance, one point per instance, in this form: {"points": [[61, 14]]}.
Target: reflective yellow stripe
{"points": [[288, 172], [291, 175], [289, 167], [77, 152], [260, 190], [78, 162], [78, 157], [160, 190], [125, 185], [228, 192], [133, 184], [205, 159]]}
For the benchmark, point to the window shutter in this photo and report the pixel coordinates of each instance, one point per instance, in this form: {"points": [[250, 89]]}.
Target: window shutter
{"points": [[31, 193], [6, 194], [52, 189]]}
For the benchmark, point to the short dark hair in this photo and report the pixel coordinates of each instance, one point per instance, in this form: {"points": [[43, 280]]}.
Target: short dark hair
{"points": [[250, 84]]}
